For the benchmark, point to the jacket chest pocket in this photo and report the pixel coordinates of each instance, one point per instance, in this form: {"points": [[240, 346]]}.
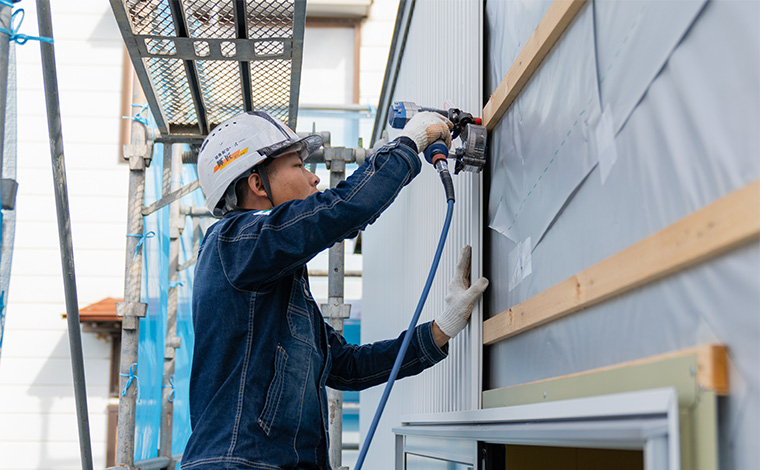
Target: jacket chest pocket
{"points": [[274, 394], [299, 315]]}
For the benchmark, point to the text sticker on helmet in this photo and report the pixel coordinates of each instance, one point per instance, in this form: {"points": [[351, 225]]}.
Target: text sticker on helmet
{"points": [[224, 161]]}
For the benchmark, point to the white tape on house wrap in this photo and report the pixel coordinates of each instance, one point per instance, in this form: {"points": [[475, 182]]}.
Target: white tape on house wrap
{"points": [[520, 265], [500, 221], [605, 143]]}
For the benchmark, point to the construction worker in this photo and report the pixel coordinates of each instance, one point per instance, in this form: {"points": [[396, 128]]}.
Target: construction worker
{"points": [[263, 353]]}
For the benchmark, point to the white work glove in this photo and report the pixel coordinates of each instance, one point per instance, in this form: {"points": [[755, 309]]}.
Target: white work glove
{"points": [[427, 127], [458, 304]]}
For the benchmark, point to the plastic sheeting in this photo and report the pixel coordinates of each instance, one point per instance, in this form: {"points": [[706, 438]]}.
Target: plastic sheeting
{"points": [[545, 145], [689, 138], [153, 326]]}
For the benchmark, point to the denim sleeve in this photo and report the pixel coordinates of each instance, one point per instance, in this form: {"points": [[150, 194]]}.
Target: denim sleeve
{"points": [[359, 367], [257, 249]]}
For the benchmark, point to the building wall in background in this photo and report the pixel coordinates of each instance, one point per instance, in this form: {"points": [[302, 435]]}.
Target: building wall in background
{"points": [[37, 413]]}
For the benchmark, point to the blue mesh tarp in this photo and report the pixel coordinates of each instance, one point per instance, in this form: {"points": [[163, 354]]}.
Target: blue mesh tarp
{"points": [[155, 292]]}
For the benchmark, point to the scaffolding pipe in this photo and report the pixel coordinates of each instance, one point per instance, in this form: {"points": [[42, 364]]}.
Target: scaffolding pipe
{"points": [[132, 309], [337, 311], [171, 182], [5, 46], [52, 104]]}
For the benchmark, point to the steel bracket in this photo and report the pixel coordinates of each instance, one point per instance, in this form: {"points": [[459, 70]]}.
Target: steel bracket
{"points": [[8, 190], [131, 312], [334, 309], [337, 157], [171, 346]]}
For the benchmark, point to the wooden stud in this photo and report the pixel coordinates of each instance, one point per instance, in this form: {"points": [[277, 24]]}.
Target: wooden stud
{"points": [[732, 221], [711, 370], [551, 27]]}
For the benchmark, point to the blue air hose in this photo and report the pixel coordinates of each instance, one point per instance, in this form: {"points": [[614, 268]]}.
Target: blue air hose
{"points": [[412, 324]]}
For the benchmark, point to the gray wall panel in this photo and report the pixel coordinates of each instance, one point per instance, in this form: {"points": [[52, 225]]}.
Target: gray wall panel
{"points": [[691, 138], [442, 62]]}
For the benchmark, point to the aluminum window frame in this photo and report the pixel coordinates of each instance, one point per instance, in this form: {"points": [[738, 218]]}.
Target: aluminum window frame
{"points": [[645, 420]]}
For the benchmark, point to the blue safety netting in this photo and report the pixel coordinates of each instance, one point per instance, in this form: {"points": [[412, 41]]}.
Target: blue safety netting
{"points": [[155, 292]]}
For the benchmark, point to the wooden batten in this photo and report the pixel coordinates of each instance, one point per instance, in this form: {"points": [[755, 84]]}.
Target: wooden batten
{"points": [[711, 369], [548, 31], [732, 221]]}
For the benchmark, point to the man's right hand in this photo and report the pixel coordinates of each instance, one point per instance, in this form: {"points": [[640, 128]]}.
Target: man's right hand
{"points": [[427, 127]]}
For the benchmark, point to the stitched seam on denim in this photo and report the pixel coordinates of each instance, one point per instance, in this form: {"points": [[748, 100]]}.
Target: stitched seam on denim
{"points": [[297, 287], [338, 200], [316, 210], [322, 382], [410, 157], [348, 199], [224, 270], [437, 350], [421, 341], [243, 374], [195, 463], [376, 375], [301, 311], [210, 233], [300, 409], [289, 223], [281, 360], [431, 354], [363, 181]]}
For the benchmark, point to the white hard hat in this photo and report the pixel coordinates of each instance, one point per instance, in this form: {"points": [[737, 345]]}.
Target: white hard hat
{"points": [[238, 144]]}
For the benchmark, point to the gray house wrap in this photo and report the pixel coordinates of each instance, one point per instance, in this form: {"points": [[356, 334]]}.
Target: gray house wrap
{"points": [[642, 113]]}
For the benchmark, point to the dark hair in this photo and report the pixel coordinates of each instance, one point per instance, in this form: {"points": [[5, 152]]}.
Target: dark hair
{"points": [[241, 186]]}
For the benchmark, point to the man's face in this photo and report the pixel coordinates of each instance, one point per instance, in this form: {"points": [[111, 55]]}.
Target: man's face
{"points": [[289, 179]]}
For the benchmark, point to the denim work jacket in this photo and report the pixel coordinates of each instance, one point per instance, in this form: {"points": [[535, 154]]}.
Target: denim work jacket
{"points": [[263, 353]]}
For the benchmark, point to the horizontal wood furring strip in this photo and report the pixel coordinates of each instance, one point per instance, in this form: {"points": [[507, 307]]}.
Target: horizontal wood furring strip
{"points": [[549, 29], [729, 222], [711, 373]]}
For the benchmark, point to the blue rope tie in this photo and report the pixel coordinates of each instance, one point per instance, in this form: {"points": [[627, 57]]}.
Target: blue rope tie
{"points": [[139, 244], [171, 386], [174, 284], [14, 35], [138, 116], [132, 376]]}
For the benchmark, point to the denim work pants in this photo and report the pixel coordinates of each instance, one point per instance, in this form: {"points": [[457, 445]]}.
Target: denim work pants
{"points": [[263, 353]]}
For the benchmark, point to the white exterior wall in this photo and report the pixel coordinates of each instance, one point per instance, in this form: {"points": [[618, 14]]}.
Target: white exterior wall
{"points": [[377, 32], [442, 61], [37, 412]]}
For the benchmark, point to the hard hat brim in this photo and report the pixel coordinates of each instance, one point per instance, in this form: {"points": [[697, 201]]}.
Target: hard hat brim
{"points": [[304, 147]]}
